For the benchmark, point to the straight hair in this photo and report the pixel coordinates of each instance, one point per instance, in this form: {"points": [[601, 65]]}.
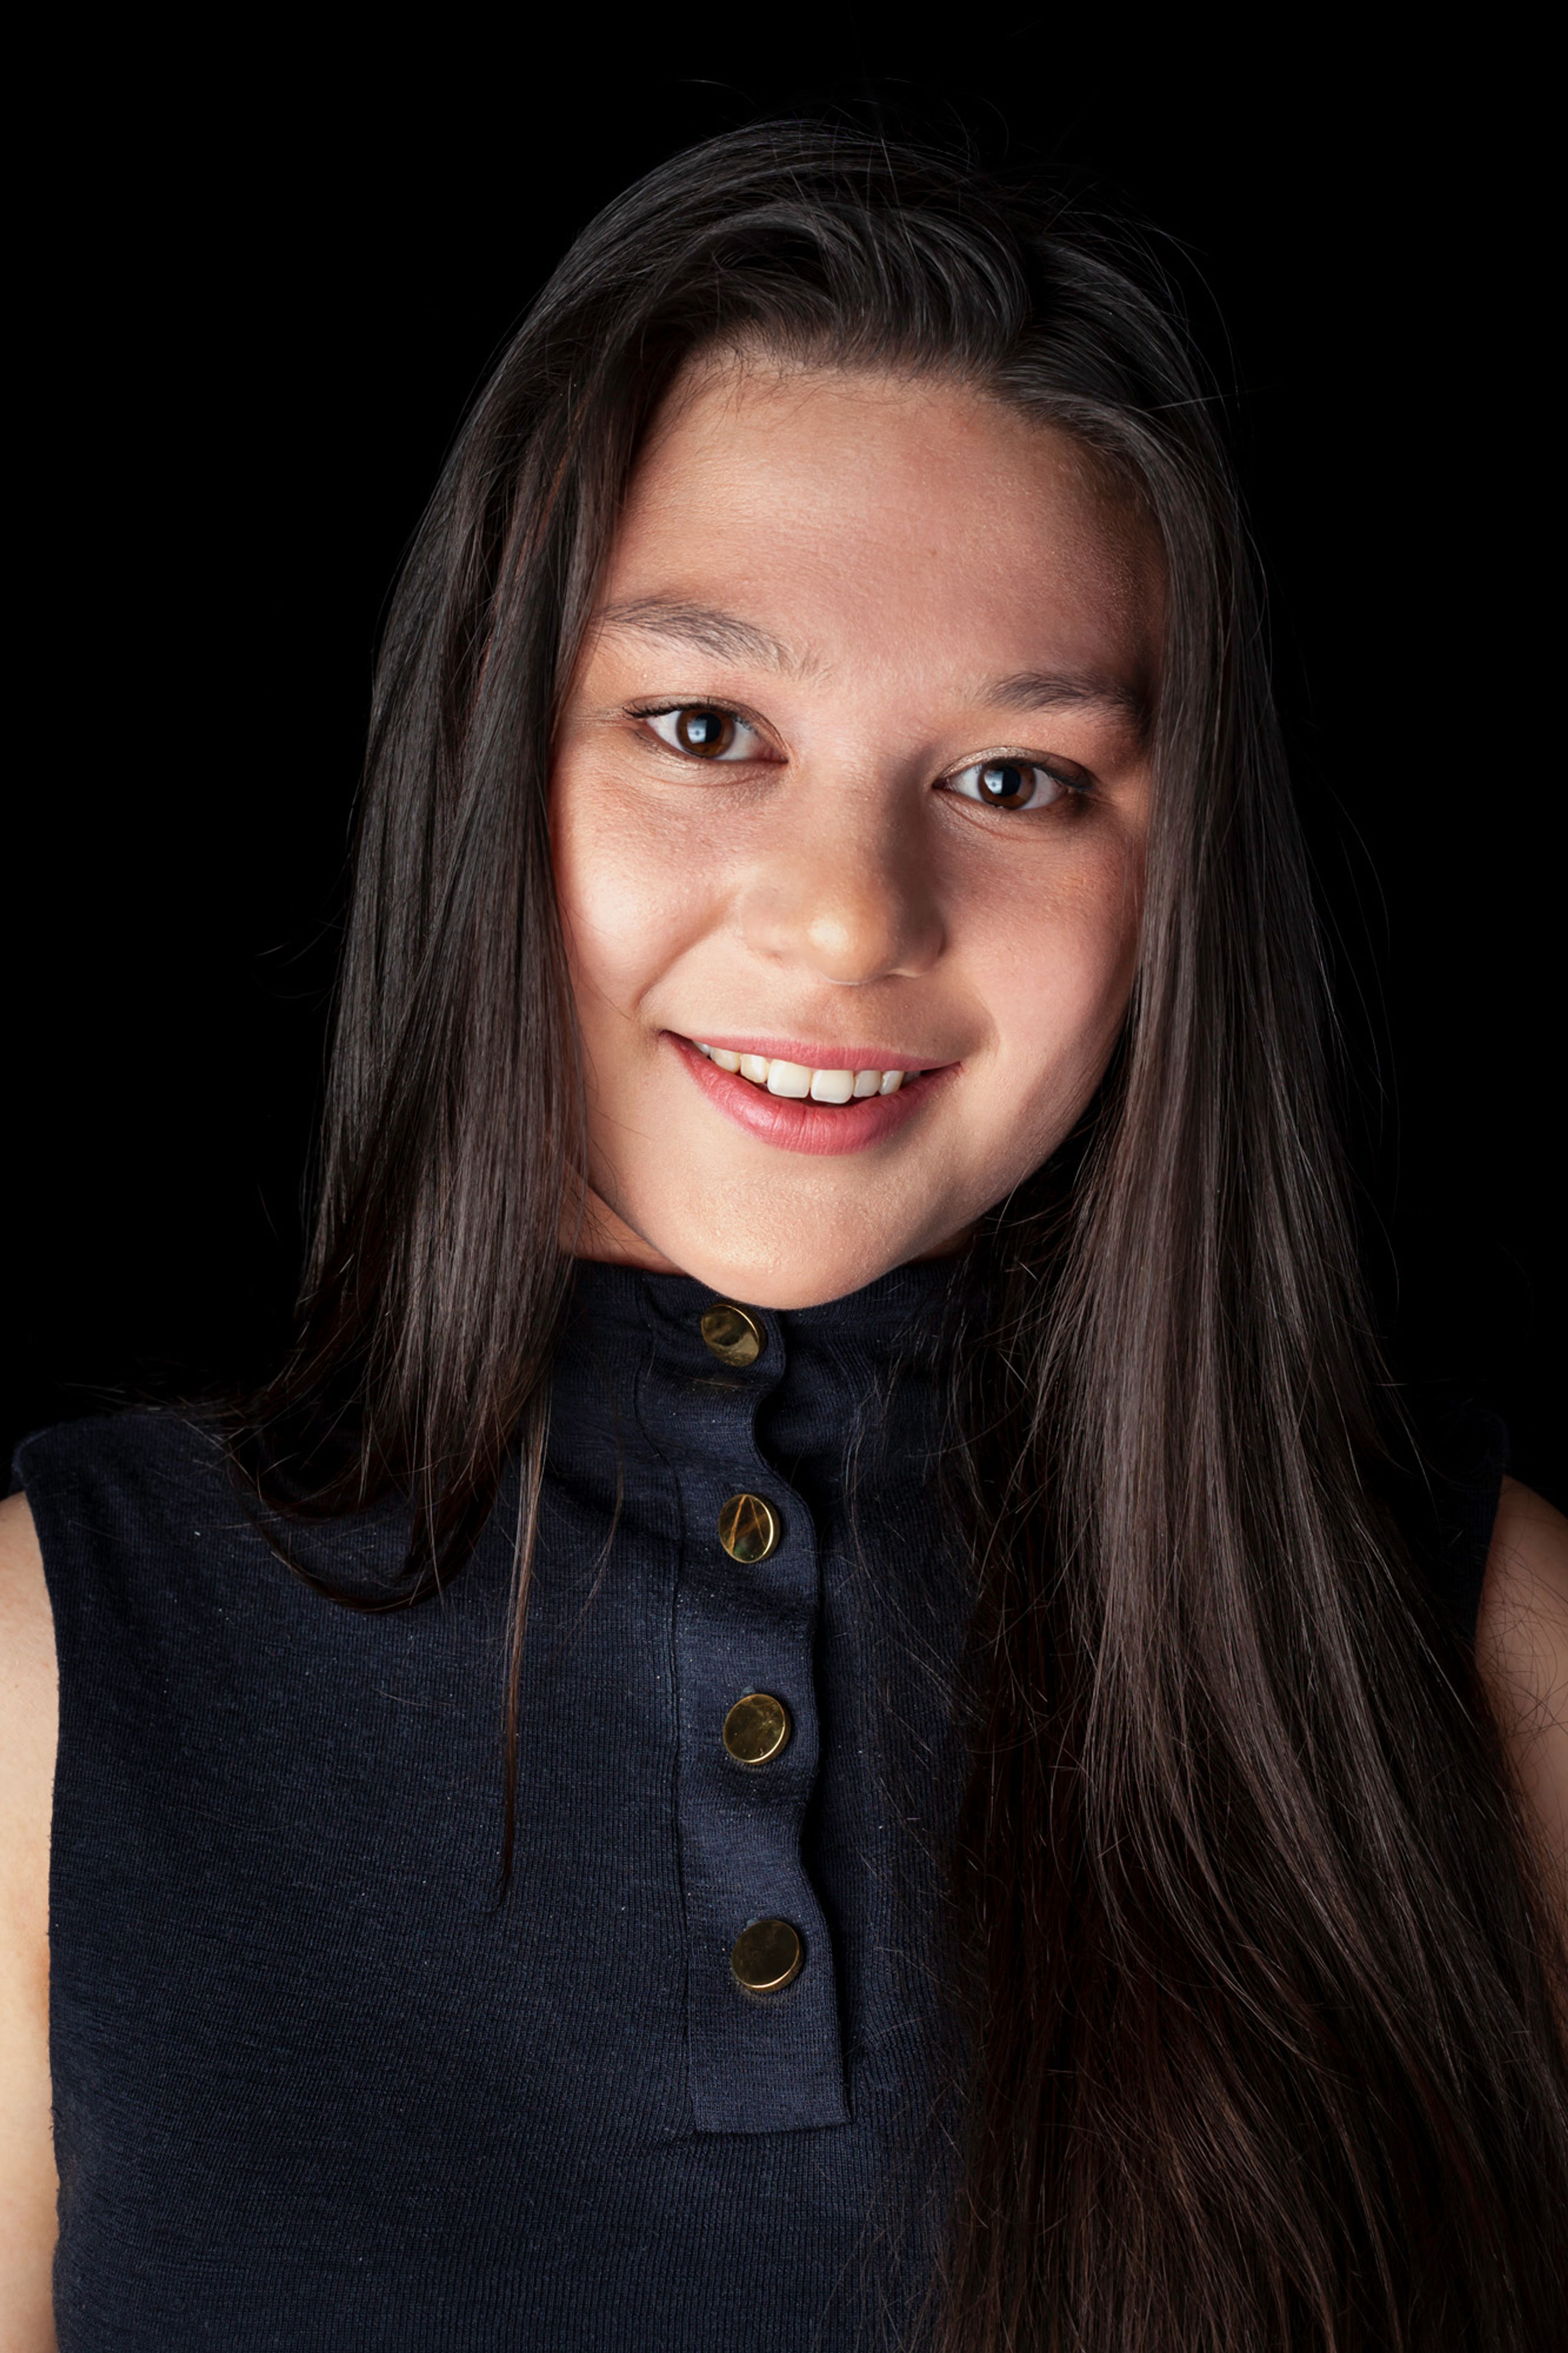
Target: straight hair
{"points": [[1256, 1975]]}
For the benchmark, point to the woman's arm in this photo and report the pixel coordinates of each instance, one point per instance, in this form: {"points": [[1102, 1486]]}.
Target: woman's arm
{"points": [[1522, 1649], [29, 1719]]}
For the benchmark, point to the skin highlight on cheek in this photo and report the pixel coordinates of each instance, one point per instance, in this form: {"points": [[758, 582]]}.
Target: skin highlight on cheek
{"points": [[771, 831]]}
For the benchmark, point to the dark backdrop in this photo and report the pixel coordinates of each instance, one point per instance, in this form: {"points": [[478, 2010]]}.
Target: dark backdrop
{"points": [[268, 283]]}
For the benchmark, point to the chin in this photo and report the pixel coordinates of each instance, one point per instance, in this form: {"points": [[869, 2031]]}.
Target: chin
{"points": [[785, 1278]]}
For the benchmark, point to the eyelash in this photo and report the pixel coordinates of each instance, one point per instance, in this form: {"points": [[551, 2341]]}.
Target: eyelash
{"points": [[731, 756]]}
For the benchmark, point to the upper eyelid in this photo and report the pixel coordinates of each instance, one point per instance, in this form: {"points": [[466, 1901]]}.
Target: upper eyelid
{"points": [[1056, 764], [668, 705], [667, 710]]}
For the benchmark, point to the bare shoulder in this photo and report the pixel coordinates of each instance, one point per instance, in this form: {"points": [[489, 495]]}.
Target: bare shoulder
{"points": [[1521, 1650], [28, 1731], [29, 1716], [28, 1704], [24, 1598]]}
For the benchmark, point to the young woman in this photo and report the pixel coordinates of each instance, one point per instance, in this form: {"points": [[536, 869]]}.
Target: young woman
{"points": [[823, 1708]]}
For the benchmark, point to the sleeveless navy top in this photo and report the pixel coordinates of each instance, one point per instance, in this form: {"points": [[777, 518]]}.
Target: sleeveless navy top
{"points": [[315, 2085]]}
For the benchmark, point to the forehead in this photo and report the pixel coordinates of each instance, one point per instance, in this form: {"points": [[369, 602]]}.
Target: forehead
{"points": [[860, 511]]}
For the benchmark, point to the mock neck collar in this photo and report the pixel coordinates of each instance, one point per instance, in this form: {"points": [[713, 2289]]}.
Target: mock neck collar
{"points": [[908, 1304]]}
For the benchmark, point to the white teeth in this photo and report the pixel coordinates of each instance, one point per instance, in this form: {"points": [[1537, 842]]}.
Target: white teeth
{"points": [[795, 1080]]}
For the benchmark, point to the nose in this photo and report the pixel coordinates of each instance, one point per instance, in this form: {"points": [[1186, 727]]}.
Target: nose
{"points": [[844, 893]]}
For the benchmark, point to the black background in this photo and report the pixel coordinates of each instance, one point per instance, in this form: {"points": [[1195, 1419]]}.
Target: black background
{"points": [[267, 283]]}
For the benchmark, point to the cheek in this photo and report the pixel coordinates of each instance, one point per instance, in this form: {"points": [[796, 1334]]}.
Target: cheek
{"points": [[1059, 970], [625, 891]]}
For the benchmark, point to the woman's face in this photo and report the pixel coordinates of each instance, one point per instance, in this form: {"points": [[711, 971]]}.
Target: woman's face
{"points": [[852, 779]]}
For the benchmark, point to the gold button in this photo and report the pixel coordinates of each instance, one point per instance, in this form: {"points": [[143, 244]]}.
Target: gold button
{"points": [[735, 1337], [767, 1955], [756, 1728], [749, 1528]]}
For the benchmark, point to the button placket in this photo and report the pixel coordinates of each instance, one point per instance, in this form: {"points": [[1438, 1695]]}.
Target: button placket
{"points": [[765, 2050]]}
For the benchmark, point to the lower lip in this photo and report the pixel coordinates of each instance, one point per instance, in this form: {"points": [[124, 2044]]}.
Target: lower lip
{"points": [[801, 1125]]}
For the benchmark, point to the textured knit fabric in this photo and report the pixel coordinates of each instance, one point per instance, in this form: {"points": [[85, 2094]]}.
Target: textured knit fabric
{"points": [[315, 2086]]}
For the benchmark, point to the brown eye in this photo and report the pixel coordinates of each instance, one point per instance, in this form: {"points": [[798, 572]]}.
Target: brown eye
{"points": [[1008, 784], [707, 735], [703, 731], [1004, 784]]}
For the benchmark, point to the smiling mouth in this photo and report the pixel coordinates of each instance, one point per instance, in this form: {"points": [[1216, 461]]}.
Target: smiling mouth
{"points": [[813, 1107], [796, 1082]]}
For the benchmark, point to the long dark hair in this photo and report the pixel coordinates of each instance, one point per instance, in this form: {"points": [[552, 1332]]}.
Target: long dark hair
{"points": [[1259, 2012]]}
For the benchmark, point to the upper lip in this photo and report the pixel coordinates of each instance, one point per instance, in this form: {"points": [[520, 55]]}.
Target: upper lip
{"points": [[818, 1057]]}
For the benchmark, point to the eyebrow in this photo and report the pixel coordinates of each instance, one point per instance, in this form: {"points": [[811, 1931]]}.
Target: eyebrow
{"points": [[704, 626], [725, 635], [1049, 689]]}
